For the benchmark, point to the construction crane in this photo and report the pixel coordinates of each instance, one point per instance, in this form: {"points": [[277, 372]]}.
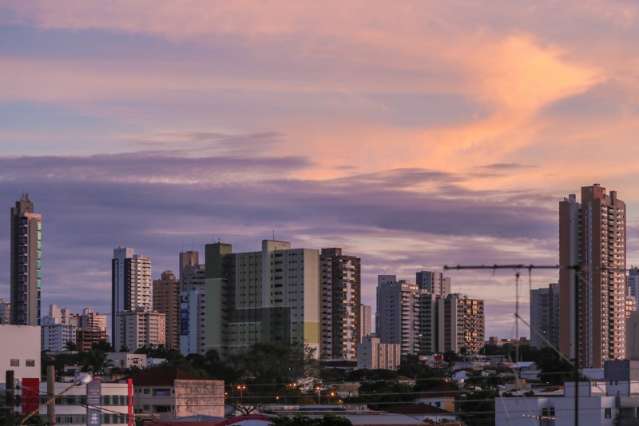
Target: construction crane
{"points": [[580, 270], [516, 268]]}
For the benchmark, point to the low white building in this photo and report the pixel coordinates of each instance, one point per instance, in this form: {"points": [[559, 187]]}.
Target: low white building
{"points": [[374, 355], [169, 393], [71, 408], [19, 351], [127, 360], [614, 400]]}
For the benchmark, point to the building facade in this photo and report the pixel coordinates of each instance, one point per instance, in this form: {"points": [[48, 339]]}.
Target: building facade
{"points": [[464, 324], [5, 311], [272, 295], [192, 304], [374, 355], [398, 313], [544, 316], [166, 300], [366, 321], [592, 238], [170, 393], [138, 329], [340, 304], [58, 337], [132, 288], [433, 282], [26, 263], [23, 354]]}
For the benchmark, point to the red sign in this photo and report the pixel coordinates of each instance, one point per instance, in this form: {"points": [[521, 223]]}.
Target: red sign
{"points": [[131, 417], [30, 395]]}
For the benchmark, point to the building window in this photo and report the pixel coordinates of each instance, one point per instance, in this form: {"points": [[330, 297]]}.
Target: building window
{"points": [[30, 363], [608, 413], [14, 363]]}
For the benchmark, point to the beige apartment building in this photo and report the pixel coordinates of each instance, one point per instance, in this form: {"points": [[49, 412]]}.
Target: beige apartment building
{"points": [[592, 238]]}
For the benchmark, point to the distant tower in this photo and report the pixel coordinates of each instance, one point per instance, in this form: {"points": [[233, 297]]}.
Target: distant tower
{"points": [[26, 257]]}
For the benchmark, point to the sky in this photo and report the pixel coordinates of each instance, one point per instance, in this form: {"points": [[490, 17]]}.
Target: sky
{"points": [[413, 134]]}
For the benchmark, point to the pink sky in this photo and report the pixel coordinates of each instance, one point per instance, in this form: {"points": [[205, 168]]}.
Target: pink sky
{"points": [[430, 106]]}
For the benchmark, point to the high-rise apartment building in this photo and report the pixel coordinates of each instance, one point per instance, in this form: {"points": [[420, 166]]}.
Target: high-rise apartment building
{"points": [[166, 300], [423, 322], [633, 283], [433, 282], [464, 324], [272, 295], [340, 304], [92, 320], [138, 329], [544, 316], [366, 321], [132, 288], [192, 304], [398, 313], [26, 267], [592, 238], [188, 260]]}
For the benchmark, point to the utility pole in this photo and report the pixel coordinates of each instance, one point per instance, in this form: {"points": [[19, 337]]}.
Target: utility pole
{"points": [[51, 394]]}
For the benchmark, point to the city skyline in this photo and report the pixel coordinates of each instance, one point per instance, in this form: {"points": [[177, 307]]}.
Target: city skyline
{"points": [[411, 137]]}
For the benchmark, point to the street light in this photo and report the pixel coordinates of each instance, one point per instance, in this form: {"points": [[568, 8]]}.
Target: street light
{"points": [[241, 389], [79, 380]]}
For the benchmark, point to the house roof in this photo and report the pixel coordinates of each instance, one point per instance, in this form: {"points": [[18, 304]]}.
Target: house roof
{"points": [[407, 409], [161, 376]]}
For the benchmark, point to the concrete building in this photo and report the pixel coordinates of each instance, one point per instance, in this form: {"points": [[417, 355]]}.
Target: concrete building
{"points": [[433, 282], [20, 351], [398, 313], [592, 236], [340, 304], [272, 295], [192, 304], [126, 360], [166, 300], [5, 311], [26, 263], [632, 336], [58, 315], [464, 324], [374, 355], [58, 337], [131, 284], [170, 393], [633, 283], [631, 306], [188, 260], [366, 321], [138, 329], [87, 338], [611, 401], [92, 320], [423, 322], [544, 316], [71, 409]]}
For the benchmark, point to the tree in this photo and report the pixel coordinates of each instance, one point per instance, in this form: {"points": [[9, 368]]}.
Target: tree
{"points": [[477, 408]]}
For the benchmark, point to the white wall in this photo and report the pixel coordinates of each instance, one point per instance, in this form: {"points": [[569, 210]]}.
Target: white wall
{"points": [[21, 343]]}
